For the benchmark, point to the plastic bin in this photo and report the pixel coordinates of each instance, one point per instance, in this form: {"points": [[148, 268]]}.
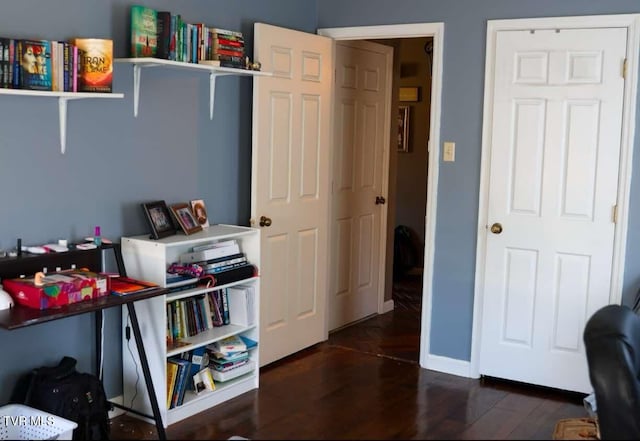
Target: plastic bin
{"points": [[18, 421]]}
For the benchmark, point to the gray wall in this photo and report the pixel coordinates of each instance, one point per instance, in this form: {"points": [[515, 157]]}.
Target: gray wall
{"points": [[462, 98], [171, 151]]}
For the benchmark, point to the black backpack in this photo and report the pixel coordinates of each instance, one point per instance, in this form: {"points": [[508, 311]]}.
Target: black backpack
{"points": [[73, 395]]}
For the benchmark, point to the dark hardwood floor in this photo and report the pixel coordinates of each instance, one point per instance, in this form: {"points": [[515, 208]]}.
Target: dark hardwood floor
{"points": [[365, 383]]}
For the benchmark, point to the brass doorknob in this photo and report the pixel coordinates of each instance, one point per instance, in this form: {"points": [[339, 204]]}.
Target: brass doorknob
{"points": [[496, 228], [265, 221]]}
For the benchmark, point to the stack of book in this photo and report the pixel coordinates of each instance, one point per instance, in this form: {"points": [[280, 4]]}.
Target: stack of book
{"points": [[224, 260], [77, 65], [165, 35], [228, 48], [229, 357]]}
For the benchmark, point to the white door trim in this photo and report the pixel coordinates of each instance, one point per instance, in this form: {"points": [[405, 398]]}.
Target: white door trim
{"points": [[632, 23], [413, 30]]}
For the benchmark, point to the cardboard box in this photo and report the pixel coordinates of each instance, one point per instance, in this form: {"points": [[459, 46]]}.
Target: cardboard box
{"points": [[57, 289]]}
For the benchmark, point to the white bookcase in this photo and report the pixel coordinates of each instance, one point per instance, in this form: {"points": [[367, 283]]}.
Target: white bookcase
{"points": [[148, 259]]}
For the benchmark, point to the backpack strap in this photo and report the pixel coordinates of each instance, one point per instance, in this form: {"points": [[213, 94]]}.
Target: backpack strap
{"points": [[66, 367]]}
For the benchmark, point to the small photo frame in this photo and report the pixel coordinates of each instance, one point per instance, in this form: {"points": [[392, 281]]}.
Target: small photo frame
{"points": [[159, 218], [200, 212], [184, 216]]}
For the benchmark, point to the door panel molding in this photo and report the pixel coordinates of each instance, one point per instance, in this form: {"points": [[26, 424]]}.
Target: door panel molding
{"points": [[632, 23]]}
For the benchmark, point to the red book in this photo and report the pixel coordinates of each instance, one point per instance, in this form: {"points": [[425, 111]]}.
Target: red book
{"points": [[121, 286]]}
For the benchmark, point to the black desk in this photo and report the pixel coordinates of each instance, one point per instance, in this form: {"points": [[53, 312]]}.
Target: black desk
{"points": [[20, 316]]}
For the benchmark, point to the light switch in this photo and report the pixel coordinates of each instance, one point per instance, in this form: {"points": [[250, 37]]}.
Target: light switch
{"points": [[449, 154]]}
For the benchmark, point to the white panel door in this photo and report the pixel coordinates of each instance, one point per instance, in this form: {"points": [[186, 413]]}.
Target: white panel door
{"points": [[555, 150], [290, 186], [360, 169]]}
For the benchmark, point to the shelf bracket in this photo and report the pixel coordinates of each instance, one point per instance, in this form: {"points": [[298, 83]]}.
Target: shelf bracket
{"points": [[62, 116], [137, 71], [212, 93]]}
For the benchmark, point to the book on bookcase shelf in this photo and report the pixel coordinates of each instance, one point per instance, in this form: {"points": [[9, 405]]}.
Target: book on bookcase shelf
{"points": [[179, 389], [144, 31], [95, 64], [172, 374], [163, 30], [34, 64], [203, 381]]}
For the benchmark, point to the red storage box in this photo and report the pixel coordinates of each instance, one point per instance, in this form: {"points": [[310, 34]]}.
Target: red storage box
{"points": [[57, 289]]}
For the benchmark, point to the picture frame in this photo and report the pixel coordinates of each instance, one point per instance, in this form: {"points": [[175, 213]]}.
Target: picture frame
{"points": [[199, 210], [159, 219], [184, 216], [403, 129], [409, 94]]}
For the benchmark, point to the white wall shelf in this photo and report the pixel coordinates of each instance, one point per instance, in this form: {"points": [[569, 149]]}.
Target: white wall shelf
{"points": [[214, 72], [63, 97]]}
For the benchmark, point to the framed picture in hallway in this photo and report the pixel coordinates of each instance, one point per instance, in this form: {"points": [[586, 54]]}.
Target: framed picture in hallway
{"points": [[403, 128]]}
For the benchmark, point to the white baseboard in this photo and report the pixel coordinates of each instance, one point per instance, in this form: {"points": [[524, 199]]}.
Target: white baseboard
{"points": [[448, 365], [388, 306], [116, 410]]}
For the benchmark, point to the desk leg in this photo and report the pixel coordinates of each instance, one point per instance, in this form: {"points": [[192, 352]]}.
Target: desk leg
{"points": [[145, 369], [98, 334]]}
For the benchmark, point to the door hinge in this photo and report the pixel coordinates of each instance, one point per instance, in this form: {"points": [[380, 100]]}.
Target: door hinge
{"points": [[624, 69], [615, 214]]}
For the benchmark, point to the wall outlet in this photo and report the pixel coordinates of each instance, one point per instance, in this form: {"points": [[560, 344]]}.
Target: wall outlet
{"points": [[449, 153]]}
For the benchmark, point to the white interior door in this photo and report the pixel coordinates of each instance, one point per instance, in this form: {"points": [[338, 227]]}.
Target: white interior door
{"points": [[360, 175], [555, 152], [290, 186]]}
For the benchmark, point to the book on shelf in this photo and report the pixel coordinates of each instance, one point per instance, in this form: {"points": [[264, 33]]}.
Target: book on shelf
{"points": [[122, 286], [230, 33], [172, 375], [95, 64], [163, 31], [144, 31], [228, 345], [203, 381], [241, 305], [223, 261], [227, 267], [210, 253], [184, 368], [236, 372], [176, 280], [218, 357], [199, 358], [226, 43], [229, 365], [34, 64], [214, 63], [250, 343]]}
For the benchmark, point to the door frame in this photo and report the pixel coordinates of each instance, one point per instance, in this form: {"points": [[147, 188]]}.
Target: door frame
{"points": [[632, 23], [412, 30]]}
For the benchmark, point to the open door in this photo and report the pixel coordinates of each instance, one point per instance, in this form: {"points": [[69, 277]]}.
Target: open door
{"points": [[290, 189]]}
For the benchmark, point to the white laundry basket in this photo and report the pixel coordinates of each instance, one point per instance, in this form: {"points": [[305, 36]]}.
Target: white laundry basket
{"points": [[23, 422]]}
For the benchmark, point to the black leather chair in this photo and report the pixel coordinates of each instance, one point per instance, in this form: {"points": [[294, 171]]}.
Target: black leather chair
{"points": [[612, 342]]}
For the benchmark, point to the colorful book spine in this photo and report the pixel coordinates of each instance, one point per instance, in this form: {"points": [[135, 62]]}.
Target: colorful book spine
{"points": [[172, 374], [164, 34], [36, 68], [144, 31]]}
